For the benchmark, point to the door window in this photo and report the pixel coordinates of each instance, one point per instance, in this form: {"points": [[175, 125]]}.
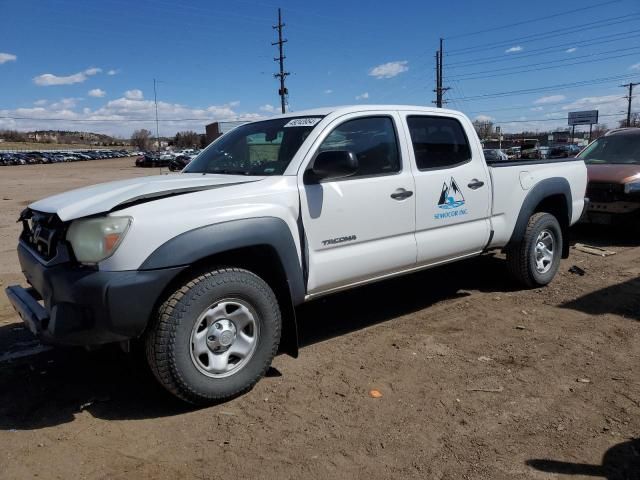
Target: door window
{"points": [[438, 142], [372, 139]]}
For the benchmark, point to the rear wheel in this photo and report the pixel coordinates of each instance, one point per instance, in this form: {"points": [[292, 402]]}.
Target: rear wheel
{"points": [[536, 259], [215, 337]]}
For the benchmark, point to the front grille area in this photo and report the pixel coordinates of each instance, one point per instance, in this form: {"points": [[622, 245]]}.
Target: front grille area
{"points": [[42, 232], [605, 192]]}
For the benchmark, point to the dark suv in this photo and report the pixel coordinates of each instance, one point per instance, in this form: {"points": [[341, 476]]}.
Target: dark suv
{"points": [[613, 165]]}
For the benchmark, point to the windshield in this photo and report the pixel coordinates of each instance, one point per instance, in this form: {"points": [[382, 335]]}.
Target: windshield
{"points": [[257, 148], [613, 149]]}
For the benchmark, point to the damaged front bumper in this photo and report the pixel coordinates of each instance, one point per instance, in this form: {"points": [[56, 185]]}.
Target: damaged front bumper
{"points": [[68, 304]]}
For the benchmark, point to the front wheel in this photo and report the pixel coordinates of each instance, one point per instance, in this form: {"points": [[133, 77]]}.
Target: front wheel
{"points": [[215, 337], [536, 259]]}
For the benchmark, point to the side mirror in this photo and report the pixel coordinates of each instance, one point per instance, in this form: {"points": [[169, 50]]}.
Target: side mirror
{"points": [[332, 164]]}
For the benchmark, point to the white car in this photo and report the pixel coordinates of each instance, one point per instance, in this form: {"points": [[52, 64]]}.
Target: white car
{"points": [[207, 266]]}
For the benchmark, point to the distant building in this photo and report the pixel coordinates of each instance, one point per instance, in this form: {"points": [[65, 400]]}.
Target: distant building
{"points": [[217, 129]]}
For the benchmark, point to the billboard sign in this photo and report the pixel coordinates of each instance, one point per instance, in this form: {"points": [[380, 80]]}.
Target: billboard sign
{"points": [[586, 117]]}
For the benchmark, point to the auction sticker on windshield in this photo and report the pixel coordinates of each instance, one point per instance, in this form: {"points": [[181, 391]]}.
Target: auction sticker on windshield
{"points": [[303, 122]]}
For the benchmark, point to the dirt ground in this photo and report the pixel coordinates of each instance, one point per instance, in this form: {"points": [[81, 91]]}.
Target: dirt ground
{"points": [[479, 379]]}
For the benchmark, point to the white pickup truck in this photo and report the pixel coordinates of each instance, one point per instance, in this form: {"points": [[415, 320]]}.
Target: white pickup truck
{"points": [[206, 267]]}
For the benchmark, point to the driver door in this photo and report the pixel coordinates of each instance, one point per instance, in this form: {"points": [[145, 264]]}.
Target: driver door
{"points": [[360, 227]]}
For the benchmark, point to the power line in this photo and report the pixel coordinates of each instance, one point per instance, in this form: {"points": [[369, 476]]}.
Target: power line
{"points": [[550, 119], [534, 105], [512, 71], [529, 53], [283, 92], [560, 86], [548, 34], [532, 20]]}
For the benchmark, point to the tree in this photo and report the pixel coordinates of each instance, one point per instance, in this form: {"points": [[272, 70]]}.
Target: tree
{"points": [[141, 139], [483, 128], [635, 121], [598, 131], [187, 139]]}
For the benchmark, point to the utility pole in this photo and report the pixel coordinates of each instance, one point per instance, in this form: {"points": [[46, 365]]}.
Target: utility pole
{"points": [[438, 100], [283, 92], [629, 98], [155, 100], [439, 75]]}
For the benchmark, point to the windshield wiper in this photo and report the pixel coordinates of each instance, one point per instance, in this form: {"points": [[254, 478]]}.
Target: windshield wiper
{"points": [[229, 171]]}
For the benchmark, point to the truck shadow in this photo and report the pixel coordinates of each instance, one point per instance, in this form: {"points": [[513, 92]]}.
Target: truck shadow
{"points": [[55, 386], [605, 236], [622, 299], [369, 305], [620, 462]]}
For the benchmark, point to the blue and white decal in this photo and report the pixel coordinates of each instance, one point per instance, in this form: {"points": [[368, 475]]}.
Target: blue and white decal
{"points": [[451, 199]]}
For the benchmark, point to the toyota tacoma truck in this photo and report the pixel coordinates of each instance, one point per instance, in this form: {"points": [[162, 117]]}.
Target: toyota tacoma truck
{"points": [[207, 266]]}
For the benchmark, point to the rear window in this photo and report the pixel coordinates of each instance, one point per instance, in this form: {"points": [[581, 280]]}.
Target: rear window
{"points": [[438, 142]]}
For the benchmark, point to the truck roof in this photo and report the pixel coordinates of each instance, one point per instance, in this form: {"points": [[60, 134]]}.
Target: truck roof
{"points": [[343, 109]]}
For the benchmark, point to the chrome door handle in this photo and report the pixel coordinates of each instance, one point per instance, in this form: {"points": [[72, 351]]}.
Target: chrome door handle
{"points": [[401, 194], [475, 184]]}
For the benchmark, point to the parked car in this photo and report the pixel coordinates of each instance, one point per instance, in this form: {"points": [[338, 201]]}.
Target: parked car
{"points": [[559, 151], [180, 162], [513, 153], [207, 266], [613, 166], [495, 155]]}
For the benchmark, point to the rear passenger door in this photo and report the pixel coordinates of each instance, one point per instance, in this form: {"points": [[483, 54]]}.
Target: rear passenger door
{"points": [[453, 191], [361, 226]]}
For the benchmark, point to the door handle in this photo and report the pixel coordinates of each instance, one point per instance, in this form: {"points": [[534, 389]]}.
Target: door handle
{"points": [[475, 184], [401, 194]]}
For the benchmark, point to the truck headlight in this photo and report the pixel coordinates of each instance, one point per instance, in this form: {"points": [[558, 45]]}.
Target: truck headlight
{"points": [[95, 239], [632, 187]]}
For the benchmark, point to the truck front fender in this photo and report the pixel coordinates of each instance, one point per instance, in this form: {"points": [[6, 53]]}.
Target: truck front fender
{"points": [[194, 246]]}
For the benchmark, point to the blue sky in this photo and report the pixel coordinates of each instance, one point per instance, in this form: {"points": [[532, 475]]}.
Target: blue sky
{"points": [[89, 60]]}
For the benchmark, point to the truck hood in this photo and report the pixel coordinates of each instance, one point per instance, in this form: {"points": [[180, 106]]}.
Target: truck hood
{"points": [[104, 197], [613, 172]]}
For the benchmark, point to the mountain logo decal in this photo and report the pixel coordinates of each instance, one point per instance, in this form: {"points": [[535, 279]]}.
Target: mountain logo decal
{"points": [[451, 195]]}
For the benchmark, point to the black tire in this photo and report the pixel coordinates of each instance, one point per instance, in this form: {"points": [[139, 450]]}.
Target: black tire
{"points": [[169, 339], [521, 258]]}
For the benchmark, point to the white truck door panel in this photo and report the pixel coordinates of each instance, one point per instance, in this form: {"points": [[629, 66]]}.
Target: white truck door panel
{"points": [[354, 228], [453, 188]]}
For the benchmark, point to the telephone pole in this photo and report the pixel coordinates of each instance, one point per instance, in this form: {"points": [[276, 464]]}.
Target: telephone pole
{"points": [[155, 100], [439, 75], [629, 98], [283, 92]]}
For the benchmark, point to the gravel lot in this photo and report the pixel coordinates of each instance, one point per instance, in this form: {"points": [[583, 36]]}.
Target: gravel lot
{"points": [[479, 379]]}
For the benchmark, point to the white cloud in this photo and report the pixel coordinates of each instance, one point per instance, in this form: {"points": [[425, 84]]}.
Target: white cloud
{"points": [[549, 99], [571, 50], [39, 103], [121, 116], [268, 108], [113, 72], [49, 79], [389, 70], [515, 49], [537, 109], [635, 66], [483, 118], [65, 103], [134, 94], [362, 96], [611, 109], [328, 91], [7, 57], [97, 92]]}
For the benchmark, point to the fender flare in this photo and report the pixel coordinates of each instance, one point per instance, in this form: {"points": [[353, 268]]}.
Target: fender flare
{"points": [[543, 189], [200, 243]]}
